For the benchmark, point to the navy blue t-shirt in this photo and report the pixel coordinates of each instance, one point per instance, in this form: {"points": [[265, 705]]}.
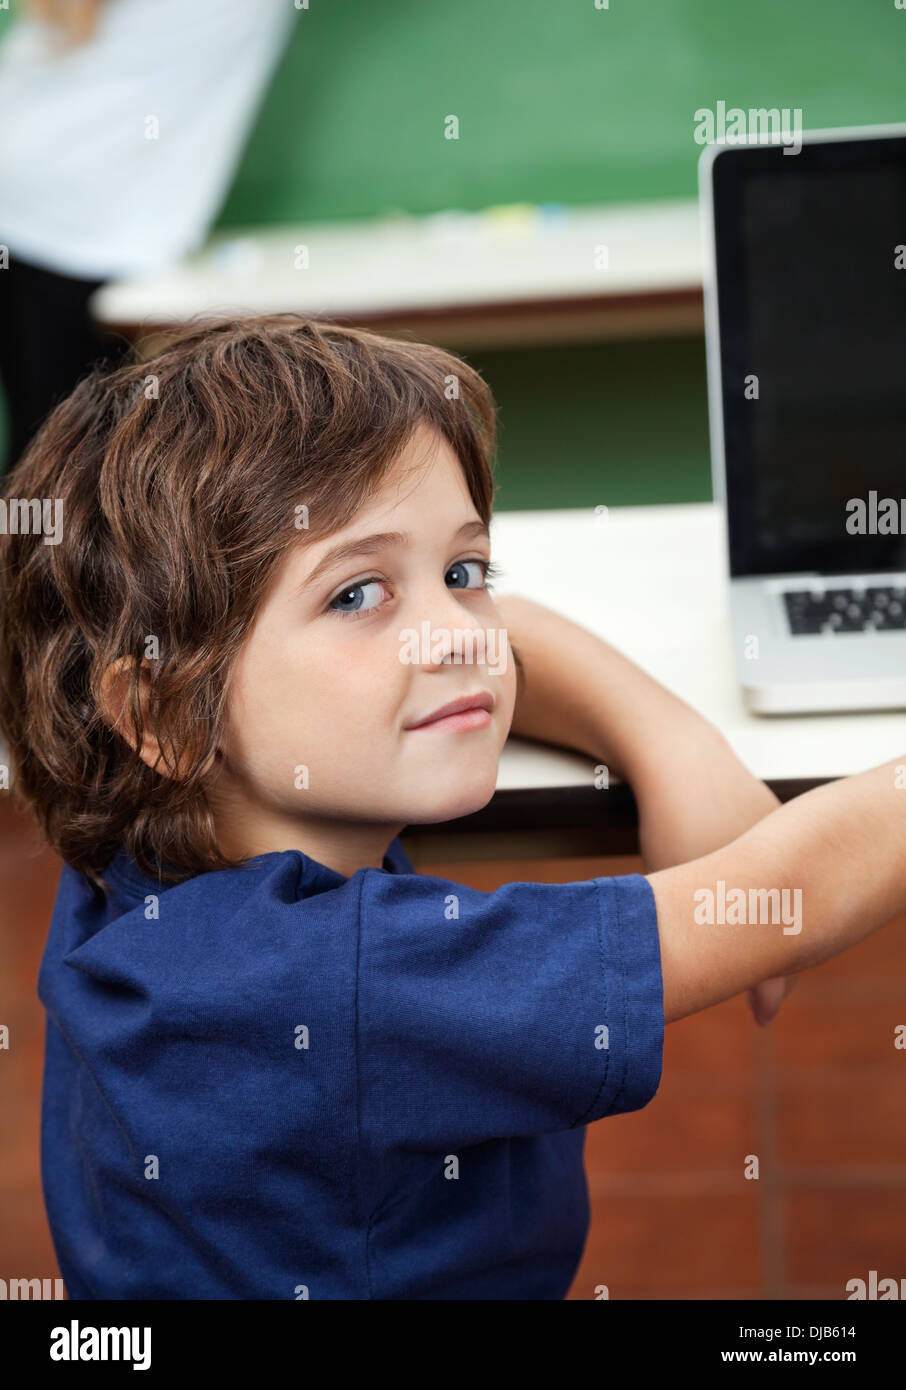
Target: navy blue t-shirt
{"points": [[276, 1082]]}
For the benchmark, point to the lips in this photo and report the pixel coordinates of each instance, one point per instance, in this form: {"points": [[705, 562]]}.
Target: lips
{"points": [[483, 700]]}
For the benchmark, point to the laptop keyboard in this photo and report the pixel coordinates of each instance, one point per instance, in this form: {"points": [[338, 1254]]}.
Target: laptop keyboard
{"points": [[846, 610]]}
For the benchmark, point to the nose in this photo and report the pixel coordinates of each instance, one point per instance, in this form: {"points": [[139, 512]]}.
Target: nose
{"points": [[450, 632]]}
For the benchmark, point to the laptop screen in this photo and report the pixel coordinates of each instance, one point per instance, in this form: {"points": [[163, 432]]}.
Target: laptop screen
{"points": [[812, 312]]}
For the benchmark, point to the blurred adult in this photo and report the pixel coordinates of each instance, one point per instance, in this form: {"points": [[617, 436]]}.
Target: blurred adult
{"points": [[124, 121]]}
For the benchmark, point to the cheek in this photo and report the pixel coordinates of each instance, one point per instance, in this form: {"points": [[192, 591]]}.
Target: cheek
{"points": [[340, 688], [508, 683]]}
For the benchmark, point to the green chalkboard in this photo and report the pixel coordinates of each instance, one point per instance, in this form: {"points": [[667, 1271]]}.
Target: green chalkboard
{"points": [[557, 100]]}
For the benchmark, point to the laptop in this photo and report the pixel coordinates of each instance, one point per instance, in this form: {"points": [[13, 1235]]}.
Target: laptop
{"points": [[805, 333]]}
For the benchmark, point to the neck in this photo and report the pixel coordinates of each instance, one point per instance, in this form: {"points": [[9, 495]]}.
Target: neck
{"points": [[344, 846]]}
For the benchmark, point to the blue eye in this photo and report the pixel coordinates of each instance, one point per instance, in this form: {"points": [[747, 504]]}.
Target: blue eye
{"points": [[485, 569], [351, 603], [339, 604]]}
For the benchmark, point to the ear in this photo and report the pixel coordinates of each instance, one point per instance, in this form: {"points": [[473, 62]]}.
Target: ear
{"points": [[114, 688]]}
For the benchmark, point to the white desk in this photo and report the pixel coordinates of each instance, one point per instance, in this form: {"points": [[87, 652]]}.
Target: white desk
{"points": [[502, 275], [652, 583]]}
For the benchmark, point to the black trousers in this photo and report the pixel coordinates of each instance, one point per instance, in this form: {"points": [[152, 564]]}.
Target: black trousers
{"points": [[48, 341]]}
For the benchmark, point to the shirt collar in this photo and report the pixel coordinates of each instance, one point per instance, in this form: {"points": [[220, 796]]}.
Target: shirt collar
{"points": [[124, 874]]}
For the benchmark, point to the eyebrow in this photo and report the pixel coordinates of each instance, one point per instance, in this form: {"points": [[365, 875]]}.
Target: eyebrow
{"points": [[368, 545]]}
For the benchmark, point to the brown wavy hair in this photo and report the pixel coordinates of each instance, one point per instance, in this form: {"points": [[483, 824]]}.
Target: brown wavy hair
{"points": [[180, 478]]}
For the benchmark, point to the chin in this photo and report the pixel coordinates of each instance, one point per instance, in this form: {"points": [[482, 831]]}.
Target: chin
{"points": [[453, 802]]}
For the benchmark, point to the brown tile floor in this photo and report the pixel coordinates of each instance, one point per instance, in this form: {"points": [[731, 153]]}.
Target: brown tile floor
{"points": [[818, 1098], [28, 883]]}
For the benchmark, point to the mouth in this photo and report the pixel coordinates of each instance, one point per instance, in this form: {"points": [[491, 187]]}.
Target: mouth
{"points": [[470, 712]]}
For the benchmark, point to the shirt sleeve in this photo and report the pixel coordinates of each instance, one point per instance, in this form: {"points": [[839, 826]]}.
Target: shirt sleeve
{"points": [[529, 1010]]}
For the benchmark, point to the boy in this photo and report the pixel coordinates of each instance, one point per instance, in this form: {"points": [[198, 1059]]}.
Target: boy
{"points": [[280, 1063]]}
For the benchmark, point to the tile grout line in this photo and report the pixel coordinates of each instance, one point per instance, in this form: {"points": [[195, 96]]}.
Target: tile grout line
{"points": [[702, 1181], [770, 1214]]}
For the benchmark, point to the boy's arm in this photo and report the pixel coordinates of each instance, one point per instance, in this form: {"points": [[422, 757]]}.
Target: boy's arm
{"points": [[693, 793], [841, 847]]}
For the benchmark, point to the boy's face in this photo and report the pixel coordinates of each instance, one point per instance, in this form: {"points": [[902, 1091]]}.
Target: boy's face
{"points": [[320, 753]]}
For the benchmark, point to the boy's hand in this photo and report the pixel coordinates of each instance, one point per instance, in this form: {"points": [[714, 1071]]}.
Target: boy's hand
{"points": [[765, 999]]}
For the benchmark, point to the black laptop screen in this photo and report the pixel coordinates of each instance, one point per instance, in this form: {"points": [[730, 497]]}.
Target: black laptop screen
{"points": [[813, 306]]}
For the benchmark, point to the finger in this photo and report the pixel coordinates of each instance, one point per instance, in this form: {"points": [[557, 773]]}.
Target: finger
{"points": [[765, 999]]}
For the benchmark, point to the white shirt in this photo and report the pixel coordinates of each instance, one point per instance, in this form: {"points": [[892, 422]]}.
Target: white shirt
{"points": [[89, 185]]}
